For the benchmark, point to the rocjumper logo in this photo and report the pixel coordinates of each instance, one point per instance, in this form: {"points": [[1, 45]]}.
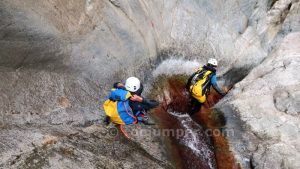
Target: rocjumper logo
{"points": [[174, 133]]}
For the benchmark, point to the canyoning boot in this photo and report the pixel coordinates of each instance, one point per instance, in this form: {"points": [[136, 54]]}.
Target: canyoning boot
{"points": [[145, 119], [146, 122], [106, 120], [195, 106]]}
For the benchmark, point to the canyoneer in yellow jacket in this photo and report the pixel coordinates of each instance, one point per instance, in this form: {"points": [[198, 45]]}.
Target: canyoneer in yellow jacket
{"points": [[200, 82]]}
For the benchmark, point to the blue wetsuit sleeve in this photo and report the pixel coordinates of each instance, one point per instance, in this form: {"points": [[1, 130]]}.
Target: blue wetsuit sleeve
{"points": [[213, 81]]}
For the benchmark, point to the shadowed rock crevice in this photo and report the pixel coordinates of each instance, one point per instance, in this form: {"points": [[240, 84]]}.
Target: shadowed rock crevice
{"points": [[271, 3], [234, 76]]}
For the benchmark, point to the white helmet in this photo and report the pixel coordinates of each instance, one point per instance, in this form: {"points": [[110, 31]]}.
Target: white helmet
{"points": [[213, 62], [132, 84]]}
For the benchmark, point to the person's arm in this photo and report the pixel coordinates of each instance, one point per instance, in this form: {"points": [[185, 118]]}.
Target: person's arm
{"points": [[131, 96], [136, 98], [119, 85], [116, 85], [215, 85]]}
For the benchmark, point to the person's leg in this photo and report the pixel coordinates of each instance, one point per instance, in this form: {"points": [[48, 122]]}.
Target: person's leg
{"points": [[136, 106], [195, 106], [139, 109], [141, 106], [150, 104]]}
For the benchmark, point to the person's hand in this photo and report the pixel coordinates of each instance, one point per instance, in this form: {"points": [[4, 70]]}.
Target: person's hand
{"points": [[136, 98], [226, 90], [120, 85]]}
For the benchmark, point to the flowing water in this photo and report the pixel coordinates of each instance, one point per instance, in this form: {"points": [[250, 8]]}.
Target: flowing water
{"points": [[195, 141]]}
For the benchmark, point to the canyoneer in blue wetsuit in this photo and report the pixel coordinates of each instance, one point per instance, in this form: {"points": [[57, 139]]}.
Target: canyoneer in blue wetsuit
{"points": [[200, 82], [125, 105]]}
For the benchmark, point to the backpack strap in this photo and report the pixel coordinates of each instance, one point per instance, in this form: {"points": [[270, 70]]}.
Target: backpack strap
{"points": [[199, 74], [207, 84]]}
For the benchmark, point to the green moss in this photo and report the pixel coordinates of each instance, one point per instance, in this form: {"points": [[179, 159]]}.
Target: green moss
{"points": [[219, 118]]}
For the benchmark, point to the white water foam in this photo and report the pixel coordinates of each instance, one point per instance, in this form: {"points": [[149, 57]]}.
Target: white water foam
{"points": [[191, 138], [175, 67]]}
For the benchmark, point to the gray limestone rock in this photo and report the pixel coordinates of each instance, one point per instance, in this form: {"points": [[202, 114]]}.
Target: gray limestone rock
{"points": [[59, 58], [267, 105]]}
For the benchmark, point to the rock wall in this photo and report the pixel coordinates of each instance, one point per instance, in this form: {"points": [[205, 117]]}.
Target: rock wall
{"points": [[58, 58], [263, 109], [266, 105], [72, 49]]}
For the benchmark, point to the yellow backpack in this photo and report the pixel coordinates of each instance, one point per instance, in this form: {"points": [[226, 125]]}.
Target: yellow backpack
{"points": [[200, 84]]}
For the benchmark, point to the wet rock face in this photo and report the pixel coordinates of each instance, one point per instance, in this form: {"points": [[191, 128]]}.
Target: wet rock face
{"points": [[70, 147], [263, 109], [58, 58], [267, 103]]}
